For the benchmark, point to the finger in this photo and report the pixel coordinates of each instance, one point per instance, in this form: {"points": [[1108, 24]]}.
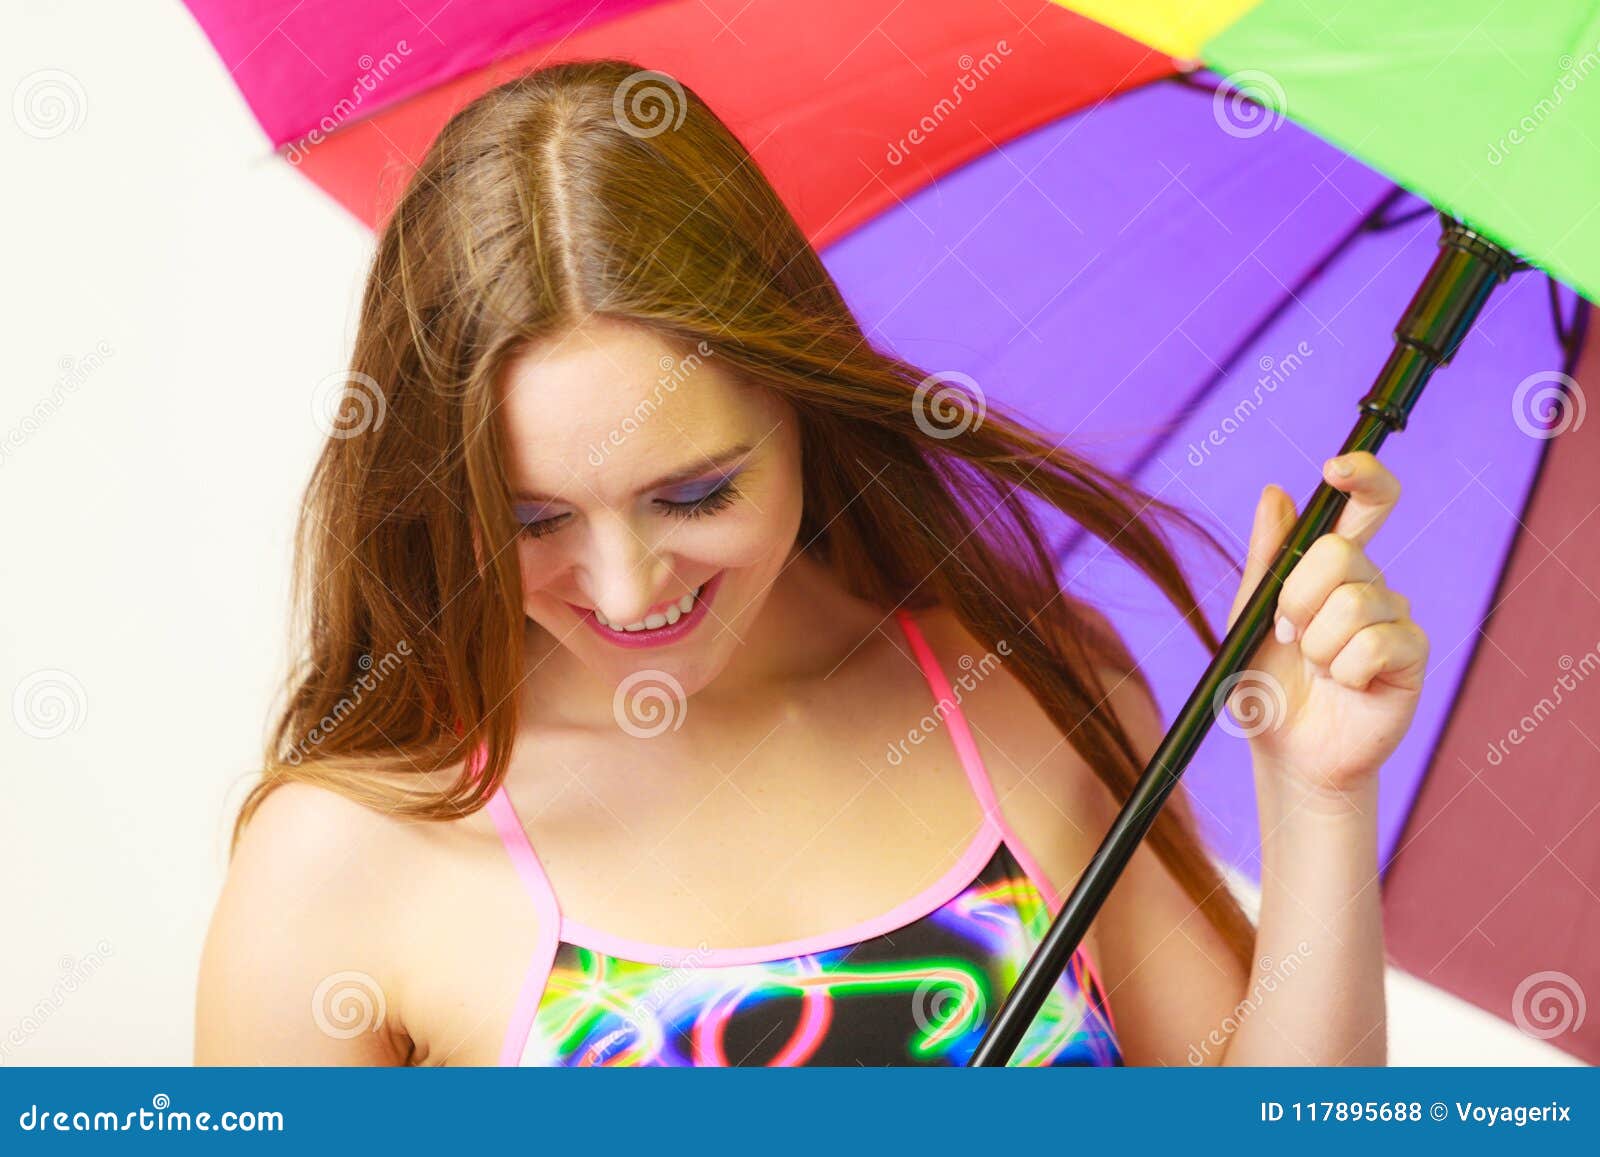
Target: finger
{"points": [[1348, 610], [1397, 652], [1373, 491], [1330, 562], [1275, 516]]}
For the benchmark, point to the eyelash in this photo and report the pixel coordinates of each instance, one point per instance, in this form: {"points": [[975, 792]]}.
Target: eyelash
{"points": [[719, 499]]}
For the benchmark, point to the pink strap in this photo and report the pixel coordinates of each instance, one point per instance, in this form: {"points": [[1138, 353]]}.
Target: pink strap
{"points": [[960, 733], [546, 911], [978, 776]]}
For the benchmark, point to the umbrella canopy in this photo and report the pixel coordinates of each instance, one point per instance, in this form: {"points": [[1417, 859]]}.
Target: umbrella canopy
{"points": [[1162, 266]]}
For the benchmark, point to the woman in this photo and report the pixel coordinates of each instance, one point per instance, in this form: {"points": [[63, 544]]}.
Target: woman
{"points": [[683, 686]]}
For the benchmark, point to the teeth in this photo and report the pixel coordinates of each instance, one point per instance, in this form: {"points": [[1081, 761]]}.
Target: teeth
{"points": [[660, 619]]}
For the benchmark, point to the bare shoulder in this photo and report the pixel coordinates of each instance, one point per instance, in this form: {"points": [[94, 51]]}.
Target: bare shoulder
{"points": [[297, 935], [1046, 790], [1170, 975]]}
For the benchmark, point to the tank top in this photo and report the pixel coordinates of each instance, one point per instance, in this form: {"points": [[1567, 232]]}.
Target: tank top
{"points": [[916, 985]]}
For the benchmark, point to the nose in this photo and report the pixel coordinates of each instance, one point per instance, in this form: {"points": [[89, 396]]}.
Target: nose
{"points": [[624, 577]]}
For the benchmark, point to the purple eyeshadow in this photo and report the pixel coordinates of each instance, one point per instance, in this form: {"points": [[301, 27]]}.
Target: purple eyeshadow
{"points": [[695, 491]]}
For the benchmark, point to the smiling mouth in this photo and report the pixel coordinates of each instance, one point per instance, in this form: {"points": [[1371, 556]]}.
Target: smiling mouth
{"points": [[659, 622], [655, 621]]}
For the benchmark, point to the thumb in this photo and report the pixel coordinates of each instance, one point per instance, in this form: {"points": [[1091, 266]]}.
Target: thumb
{"points": [[1275, 517]]}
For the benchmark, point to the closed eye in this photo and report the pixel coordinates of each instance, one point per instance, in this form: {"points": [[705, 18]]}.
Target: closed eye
{"points": [[719, 499], [710, 503]]}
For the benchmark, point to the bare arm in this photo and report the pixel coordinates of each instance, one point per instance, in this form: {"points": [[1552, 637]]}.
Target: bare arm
{"points": [[292, 972], [1317, 995]]}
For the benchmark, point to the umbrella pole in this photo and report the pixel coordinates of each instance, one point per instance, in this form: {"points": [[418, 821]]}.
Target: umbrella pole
{"points": [[1449, 299]]}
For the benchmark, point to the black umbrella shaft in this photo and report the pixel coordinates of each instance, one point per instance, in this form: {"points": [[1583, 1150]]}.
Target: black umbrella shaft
{"points": [[1466, 269]]}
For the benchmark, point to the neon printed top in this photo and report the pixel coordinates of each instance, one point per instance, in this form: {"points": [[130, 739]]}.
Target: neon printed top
{"points": [[915, 986]]}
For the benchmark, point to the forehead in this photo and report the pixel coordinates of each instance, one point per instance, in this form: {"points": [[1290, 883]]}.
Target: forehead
{"points": [[607, 407]]}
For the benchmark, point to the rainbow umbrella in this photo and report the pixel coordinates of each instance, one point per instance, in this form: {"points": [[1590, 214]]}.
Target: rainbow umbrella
{"points": [[1180, 235]]}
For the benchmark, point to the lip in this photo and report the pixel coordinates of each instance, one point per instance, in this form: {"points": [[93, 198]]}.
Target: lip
{"points": [[661, 636]]}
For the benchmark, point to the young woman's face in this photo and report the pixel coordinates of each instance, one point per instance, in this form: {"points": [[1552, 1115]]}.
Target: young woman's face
{"points": [[643, 473]]}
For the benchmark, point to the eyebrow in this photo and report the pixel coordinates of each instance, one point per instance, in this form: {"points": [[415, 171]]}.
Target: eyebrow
{"points": [[687, 473]]}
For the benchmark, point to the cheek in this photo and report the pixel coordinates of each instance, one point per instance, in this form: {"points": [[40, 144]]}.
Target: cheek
{"points": [[540, 565], [750, 534]]}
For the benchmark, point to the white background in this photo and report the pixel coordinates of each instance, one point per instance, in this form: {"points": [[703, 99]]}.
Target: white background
{"points": [[147, 521]]}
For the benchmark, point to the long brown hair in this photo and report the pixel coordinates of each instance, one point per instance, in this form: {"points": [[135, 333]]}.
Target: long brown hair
{"points": [[545, 201]]}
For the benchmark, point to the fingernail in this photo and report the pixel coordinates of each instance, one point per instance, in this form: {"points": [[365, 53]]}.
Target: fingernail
{"points": [[1285, 630], [1342, 467]]}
